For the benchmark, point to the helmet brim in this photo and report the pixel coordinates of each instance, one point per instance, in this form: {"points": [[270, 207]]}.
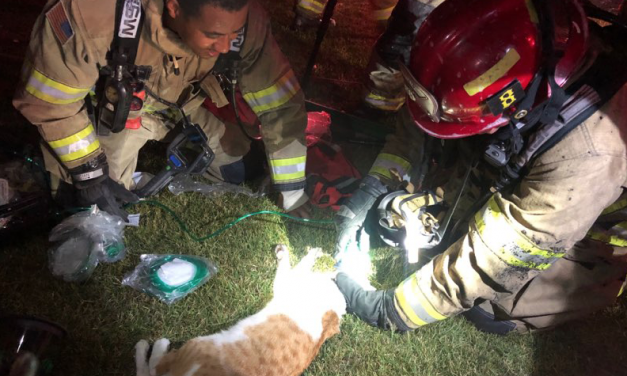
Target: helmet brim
{"points": [[447, 130]]}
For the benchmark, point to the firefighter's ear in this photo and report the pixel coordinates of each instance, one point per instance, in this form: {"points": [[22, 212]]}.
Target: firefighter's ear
{"points": [[174, 8]]}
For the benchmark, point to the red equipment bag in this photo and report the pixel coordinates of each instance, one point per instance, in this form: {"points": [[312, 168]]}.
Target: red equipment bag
{"points": [[331, 178]]}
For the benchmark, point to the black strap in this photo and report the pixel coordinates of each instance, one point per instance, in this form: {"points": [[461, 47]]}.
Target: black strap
{"points": [[585, 97], [129, 21], [551, 56]]}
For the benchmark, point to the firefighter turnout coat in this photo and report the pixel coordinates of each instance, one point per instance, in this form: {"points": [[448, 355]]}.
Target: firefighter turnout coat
{"points": [[546, 252], [69, 44]]}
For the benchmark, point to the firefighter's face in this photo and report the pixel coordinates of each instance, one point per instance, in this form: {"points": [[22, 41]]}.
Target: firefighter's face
{"points": [[209, 32]]}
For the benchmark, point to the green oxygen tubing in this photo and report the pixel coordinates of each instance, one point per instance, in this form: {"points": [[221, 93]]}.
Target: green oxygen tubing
{"points": [[186, 230]]}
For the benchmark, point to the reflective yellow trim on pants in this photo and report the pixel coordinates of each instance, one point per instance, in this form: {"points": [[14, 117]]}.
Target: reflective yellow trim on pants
{"points": [[414, 304], [611, 236], [76, 146], [274, 96], [288, 169], [509, 245], [618, 205]]}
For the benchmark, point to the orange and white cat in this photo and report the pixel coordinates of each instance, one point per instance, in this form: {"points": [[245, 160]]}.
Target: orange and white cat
{"points": [[280, 340]]}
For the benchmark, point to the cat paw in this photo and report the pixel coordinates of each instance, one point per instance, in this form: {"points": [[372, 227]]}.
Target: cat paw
{"points": [[281, 251], [159, 349], [141, 353]]}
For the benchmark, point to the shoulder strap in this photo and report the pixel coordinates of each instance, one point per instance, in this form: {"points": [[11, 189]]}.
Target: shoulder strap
{"points": [[129, 20], [595, 88]]}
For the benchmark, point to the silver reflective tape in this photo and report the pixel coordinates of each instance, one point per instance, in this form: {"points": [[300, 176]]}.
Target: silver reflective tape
{"points": [[76, 146], [49, 90], [288, 87], [412, 299], [280, 170]]}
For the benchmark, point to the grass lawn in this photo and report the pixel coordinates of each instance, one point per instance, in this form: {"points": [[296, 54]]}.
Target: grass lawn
{"points": [[105, 319]]}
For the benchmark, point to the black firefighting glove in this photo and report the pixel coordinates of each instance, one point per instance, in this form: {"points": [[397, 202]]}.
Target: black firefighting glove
{"points": [[351, 216], [94, 186], [376, 308]]}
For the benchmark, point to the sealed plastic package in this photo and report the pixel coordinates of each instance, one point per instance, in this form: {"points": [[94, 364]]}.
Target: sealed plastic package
{"points": [[170, 277]]}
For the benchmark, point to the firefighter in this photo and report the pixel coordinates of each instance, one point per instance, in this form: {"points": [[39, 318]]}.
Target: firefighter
{"points": [[384, 92], [180, 42], [546, 243]]}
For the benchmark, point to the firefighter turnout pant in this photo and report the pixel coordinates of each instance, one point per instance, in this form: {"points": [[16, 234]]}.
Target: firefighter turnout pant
{"points": [[122, 149]]}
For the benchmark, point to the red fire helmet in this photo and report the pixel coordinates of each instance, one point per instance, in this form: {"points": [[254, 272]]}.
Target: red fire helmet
{"points": [[472, 60]]}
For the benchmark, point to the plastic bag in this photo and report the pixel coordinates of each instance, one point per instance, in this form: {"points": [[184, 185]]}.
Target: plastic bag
{"points": [[84, 239], [170, 277], [318, 127], [24, 199], [185, 183]]}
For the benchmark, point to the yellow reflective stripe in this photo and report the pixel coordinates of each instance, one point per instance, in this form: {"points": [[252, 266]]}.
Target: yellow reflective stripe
{"points": [[292, 176], [288, 168], [512, 247], [618, 205], [499, 70], [73, 138], [274, 96], [382, 14], [57, 85], [414, 304], [380, 171], [426, 305], [378, 97], [609, 239], [383, 103], [312, 5], [615, 240], [407, 309], [533, 15], [52, 91], [396, 160], [385, 162], [80, 153], [287, 161]]}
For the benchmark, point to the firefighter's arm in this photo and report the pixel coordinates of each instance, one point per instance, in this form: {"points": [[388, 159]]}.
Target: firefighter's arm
{"points": [[512, 239], [509, 241], [271, 88], [403, 150], [58, 73]]}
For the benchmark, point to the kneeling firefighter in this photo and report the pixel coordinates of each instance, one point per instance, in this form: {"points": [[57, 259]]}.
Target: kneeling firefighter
{"points": [[149, 64], [537, 196]]}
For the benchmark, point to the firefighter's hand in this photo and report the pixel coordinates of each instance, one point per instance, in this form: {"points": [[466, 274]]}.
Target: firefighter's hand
{"points": [[109, 196], [369, 306], [350, 219], [94, 186], [376, 308]]}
